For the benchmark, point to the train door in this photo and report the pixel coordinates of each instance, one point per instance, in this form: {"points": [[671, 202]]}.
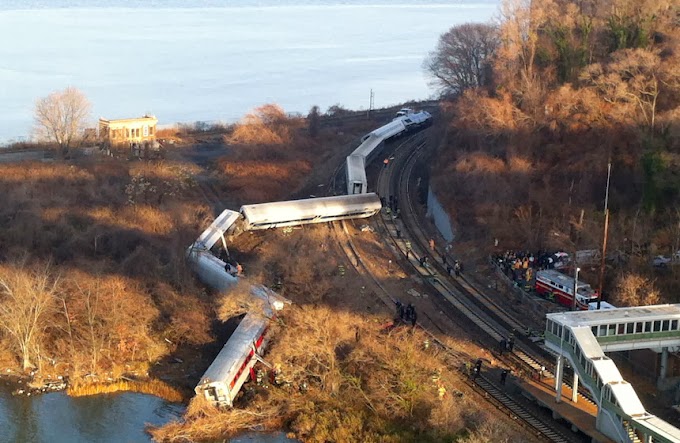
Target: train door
{"points": [[357, 188], [211, 394]]}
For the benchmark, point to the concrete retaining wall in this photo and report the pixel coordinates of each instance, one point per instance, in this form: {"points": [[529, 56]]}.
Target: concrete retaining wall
{"points": [[441, 219]]}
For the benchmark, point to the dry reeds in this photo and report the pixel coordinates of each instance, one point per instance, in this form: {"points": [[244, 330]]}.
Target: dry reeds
{"points": [[151, 387]]}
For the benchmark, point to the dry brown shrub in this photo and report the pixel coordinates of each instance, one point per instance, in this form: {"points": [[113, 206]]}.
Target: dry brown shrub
{"points": [[362, 384], [258, 181], [635, 290], [238, 300], [265, 125], [78, 215], [520, 165], [480, 162]]}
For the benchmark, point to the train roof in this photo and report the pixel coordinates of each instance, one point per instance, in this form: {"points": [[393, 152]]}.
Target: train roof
{"points": [[416, 118], [355, 162], [392, 128], [367, 146], [230, 358], [619, 315], [217, 229], [280, 212], [355, 168]]}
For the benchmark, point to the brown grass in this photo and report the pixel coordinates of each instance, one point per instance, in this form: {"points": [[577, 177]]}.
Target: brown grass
{"points": [[362, 384], [151, 387]]}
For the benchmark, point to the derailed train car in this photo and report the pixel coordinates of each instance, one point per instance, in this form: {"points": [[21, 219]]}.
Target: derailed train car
{"points": [[234, 364], [373, 142], [356, 175], [312, 210]]}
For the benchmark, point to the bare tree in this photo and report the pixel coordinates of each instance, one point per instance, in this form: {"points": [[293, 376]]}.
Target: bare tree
{"points": [[632, 77], [462, 58], [26, 298], [61, 116]]}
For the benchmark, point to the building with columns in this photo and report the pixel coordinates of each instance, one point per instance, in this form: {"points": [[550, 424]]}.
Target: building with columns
{"points": [[128, 131]]}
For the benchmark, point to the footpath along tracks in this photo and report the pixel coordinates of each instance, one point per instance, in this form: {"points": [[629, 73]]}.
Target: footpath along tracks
{"points": [[454, 301]]}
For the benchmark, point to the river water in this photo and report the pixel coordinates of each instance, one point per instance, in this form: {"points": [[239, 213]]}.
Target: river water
{"points": [[57, 418], [120, 417], [213, 60]]}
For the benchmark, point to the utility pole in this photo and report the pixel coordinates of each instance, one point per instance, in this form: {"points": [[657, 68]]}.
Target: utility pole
{"points": [[371, 102], [573, 301], [604, 237]]}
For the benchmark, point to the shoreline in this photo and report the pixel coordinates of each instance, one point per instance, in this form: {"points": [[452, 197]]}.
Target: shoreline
{"points": [[28, 386]]}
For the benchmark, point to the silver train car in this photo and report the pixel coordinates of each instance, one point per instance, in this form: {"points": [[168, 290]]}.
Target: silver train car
{"points": [[313, 210], [373, 142], [234, 364], [356, 175]]}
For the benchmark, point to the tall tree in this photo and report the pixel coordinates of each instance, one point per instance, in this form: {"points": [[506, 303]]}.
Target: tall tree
{"points": [[462, 58], [27, 296], [61, 116]]}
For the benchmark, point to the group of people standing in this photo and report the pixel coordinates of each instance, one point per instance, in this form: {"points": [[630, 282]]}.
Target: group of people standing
{"points": [[406, 314]]}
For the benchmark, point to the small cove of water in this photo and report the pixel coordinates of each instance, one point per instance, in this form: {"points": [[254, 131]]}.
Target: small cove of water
{"points": [[57, 418], [119, 417]]}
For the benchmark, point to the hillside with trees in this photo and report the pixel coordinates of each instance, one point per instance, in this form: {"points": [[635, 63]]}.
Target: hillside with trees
{"points": [[539, 104]]}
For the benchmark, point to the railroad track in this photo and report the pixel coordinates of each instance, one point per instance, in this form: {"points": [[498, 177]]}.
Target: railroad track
{"points": [[470, 301], [454, 299]]}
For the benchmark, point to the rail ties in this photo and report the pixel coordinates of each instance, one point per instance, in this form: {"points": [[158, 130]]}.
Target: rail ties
{"points": [[518, 410]]}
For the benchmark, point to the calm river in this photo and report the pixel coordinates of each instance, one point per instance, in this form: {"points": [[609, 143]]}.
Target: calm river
{"points": [[210, 60], [114, 418], [57, 418]]}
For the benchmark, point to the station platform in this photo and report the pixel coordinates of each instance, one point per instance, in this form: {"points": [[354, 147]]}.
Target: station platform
{"points": [[581, 415]]}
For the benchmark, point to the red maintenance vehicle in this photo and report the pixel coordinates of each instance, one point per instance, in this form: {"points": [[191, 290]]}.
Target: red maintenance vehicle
{"points": [[558, 287]]}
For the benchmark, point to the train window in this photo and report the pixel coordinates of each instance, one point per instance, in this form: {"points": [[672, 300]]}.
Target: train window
{"points": [[657, 325], [665, 325], [629, 328], [674, 325], [648, 326], [593, 329], [638, 327], [611, 329], [621, 329], [603, 331]]}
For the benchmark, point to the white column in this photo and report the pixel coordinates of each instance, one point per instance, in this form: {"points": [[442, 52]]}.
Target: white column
{"points": [[559, 371], [574, 394]]}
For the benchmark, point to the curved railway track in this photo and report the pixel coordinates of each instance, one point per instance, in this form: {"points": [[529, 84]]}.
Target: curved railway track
{"points": [[452, 302], [476, 306]]}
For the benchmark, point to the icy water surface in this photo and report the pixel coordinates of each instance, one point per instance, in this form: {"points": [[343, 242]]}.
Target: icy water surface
{"points": [[213, 60]]}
